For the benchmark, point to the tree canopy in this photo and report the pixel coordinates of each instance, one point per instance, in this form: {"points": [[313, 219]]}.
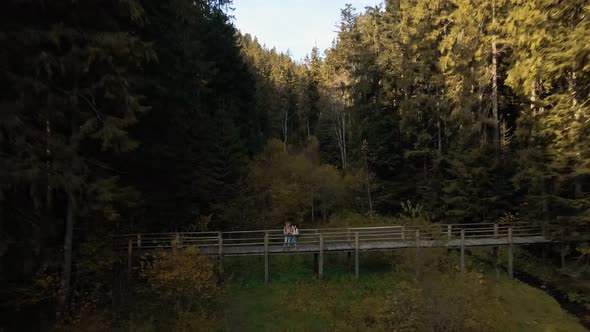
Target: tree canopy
{"points": [[147, 115]]}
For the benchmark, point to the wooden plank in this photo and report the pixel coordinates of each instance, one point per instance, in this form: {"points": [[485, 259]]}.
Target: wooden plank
{"points": [[257, 248], [266, 258], [176, 243], [129, 258], [462, 251], [220, 254], [510, 254], [356, 255], [417, 258], [321, 257], [348, 254]]}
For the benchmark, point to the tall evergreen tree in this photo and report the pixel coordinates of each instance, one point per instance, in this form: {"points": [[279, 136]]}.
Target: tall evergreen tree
{"points": [[70, 103]]}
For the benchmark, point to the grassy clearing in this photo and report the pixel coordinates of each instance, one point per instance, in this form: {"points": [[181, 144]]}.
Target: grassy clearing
{"points": [[296, 301], [530, 309], [385, 298]]}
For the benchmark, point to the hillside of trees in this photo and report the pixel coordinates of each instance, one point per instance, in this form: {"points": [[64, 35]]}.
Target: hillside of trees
{"points": [[125, 116]]}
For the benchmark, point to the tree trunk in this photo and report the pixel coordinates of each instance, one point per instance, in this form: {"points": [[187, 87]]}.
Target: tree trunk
{"points": [[578, 188], [340, 132], [312, 208], [70, 212], [68, 241], [439, 137], [344, 164], [48, 162], [544, 193], [285, 127], [48, 216], [369, 187], [1, 229], [494, 73], [481, 111], [545, 202]]}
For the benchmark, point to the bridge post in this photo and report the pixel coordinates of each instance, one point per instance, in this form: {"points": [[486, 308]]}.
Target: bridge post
{"points": [[449, 237], [176, 243], [496, 252], [321, 258], [266, 258], [138, 241], [510, 254], [220, 253], [129, 257], [462, 251], [417, 258], [356, 255], [348, 254]]}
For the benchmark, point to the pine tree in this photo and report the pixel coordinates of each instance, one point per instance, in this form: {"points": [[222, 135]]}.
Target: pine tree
{"points": [[74, 62], [552, 131], [472, 56]]}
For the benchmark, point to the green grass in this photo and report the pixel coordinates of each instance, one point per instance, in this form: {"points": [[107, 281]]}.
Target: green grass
{"points": [[531, 309], [296, 301]]}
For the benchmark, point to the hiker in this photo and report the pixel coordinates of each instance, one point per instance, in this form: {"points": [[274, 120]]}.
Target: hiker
{"points": [[294, 235], [287, 233]]}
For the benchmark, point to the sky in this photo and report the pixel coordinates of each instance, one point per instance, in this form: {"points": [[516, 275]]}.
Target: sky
{"points": [[295, 25]]}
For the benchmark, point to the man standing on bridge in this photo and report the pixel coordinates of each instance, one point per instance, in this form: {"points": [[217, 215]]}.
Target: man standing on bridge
{"points": [[287, 233]]}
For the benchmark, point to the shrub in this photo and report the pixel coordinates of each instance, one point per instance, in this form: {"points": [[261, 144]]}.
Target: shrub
{"points": [[184, 279]]}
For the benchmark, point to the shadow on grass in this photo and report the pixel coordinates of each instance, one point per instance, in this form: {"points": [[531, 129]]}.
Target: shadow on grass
{"points": [[249, 270]]}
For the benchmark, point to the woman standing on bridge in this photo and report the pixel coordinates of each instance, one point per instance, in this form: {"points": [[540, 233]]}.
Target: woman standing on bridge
{"points": [[295, 235], [287, 233]]}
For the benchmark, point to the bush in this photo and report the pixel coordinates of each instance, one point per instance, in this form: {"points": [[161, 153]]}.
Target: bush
{"points": [[183, 279]]}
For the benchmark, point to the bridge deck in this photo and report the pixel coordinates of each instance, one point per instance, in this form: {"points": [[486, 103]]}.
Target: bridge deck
{"points": [[306, 248], [270, 242], [354, 239]]}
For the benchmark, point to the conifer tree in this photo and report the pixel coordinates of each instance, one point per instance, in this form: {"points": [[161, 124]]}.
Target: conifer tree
{"points": [[552, 131], [74, 62]]}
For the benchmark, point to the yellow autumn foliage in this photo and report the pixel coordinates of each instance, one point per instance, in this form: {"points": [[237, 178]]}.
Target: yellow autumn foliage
{"points": [[185, 279]]}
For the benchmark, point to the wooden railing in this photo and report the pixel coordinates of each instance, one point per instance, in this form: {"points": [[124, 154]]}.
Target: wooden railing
{"points": [[353, 239], [272, 237]]}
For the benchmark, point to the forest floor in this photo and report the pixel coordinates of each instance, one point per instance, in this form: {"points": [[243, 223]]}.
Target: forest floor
{"points": [[296, 301]]}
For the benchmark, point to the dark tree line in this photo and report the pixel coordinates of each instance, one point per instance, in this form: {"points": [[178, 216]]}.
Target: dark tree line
{"points": [[147, 115], [116, 116]]}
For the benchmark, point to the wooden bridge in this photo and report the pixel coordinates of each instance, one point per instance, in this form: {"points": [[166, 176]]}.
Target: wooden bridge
{"points": [[351, 240]]}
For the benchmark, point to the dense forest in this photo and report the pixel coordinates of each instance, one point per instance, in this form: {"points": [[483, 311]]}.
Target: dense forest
{"points": [[123, 116]]}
